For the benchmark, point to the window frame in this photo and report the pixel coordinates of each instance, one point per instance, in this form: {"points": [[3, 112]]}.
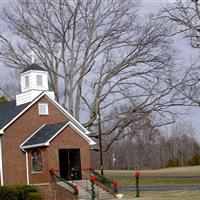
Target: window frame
{"points": [[39, 108], [38, 166], [26, 80], [40, 76]]}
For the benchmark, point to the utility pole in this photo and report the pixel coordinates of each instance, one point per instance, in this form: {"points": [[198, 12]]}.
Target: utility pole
{"points": [[100, 144]]}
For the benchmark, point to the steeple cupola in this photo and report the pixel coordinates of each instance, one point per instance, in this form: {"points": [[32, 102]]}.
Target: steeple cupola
{"points": [[34, 81], [34, 77]]}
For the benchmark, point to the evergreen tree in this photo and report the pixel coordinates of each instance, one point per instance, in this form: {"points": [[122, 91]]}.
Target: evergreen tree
{"points": [[3, 100]]}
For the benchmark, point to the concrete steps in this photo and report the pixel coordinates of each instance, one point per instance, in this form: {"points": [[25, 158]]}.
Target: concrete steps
{"points": [[85, 191], [64, 185], [84, 187]]}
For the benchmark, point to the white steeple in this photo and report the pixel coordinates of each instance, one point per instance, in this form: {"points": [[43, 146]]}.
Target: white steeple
{"points": [[34, 81]]}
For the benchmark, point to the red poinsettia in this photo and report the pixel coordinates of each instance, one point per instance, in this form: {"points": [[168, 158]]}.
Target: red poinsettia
{"points": [[75, 186], [93, 178], [91, 168], [116, 184], [138, 174], [52, 171]]}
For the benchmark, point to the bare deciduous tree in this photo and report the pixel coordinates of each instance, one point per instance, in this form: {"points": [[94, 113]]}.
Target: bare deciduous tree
{"points": [[185, 15], [100, 55], [152, 148]]}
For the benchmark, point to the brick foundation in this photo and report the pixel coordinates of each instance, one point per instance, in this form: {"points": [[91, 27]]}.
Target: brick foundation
{"points": [[52, 191]]}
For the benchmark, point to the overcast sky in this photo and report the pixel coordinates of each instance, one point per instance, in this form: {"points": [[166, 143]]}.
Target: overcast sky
{"points": [[185, 54]]}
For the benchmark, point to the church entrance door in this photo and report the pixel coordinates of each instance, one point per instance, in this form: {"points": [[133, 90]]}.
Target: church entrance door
{"points": [[70, 164]]}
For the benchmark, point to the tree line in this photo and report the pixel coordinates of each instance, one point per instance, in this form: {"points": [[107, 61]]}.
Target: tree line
{"points": [[174, 147]]}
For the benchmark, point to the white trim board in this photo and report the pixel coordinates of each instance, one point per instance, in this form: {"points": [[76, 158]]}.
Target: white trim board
{"points": [[1, 163], [37, 71], [31, 136]]}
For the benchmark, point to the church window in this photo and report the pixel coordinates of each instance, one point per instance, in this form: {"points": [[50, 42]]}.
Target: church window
{"points": [[36, 161]]}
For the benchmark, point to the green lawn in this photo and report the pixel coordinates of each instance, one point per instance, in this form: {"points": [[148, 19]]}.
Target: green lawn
{"points": [[168, 195], [181, 171], [176, 171]]}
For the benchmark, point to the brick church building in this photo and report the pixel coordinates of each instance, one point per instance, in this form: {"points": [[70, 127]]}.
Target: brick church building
{"points": [[37, 134]]}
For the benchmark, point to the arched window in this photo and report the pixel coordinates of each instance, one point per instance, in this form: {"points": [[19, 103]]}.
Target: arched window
{"points": [[36, 161]]}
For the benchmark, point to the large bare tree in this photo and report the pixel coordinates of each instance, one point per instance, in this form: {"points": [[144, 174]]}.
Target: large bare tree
{"points": [[100, 55], [185, 16]]}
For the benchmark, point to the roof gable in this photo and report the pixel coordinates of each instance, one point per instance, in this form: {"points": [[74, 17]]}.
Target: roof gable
{"points": [[46, 133], [23, 108]]}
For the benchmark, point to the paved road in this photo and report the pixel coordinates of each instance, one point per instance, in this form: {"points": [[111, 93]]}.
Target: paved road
{"points": [[161, 188], [128, 176]]}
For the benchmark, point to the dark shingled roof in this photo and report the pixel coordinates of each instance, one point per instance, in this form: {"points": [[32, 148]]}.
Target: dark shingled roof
{"points": [[9, 111], [44, 134], [33, 67]]}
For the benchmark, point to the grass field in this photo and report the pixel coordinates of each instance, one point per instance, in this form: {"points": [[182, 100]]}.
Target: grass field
{"points": [[168, 195], [176, 171]]}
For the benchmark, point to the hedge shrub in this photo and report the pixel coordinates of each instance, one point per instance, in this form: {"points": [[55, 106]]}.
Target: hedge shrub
{"points": [[33, 196], [7, 193], [18, 192], [22, 190], [195, 160], [173, 162]]}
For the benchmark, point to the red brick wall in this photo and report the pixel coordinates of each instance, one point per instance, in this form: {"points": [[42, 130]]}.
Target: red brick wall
{"points": [[13, 158], [67, 139], [54, 192], [47, 191], [39, 177]]}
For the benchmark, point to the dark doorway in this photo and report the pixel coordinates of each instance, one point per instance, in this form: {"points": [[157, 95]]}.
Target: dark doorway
{"points": [[70, 164]]}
